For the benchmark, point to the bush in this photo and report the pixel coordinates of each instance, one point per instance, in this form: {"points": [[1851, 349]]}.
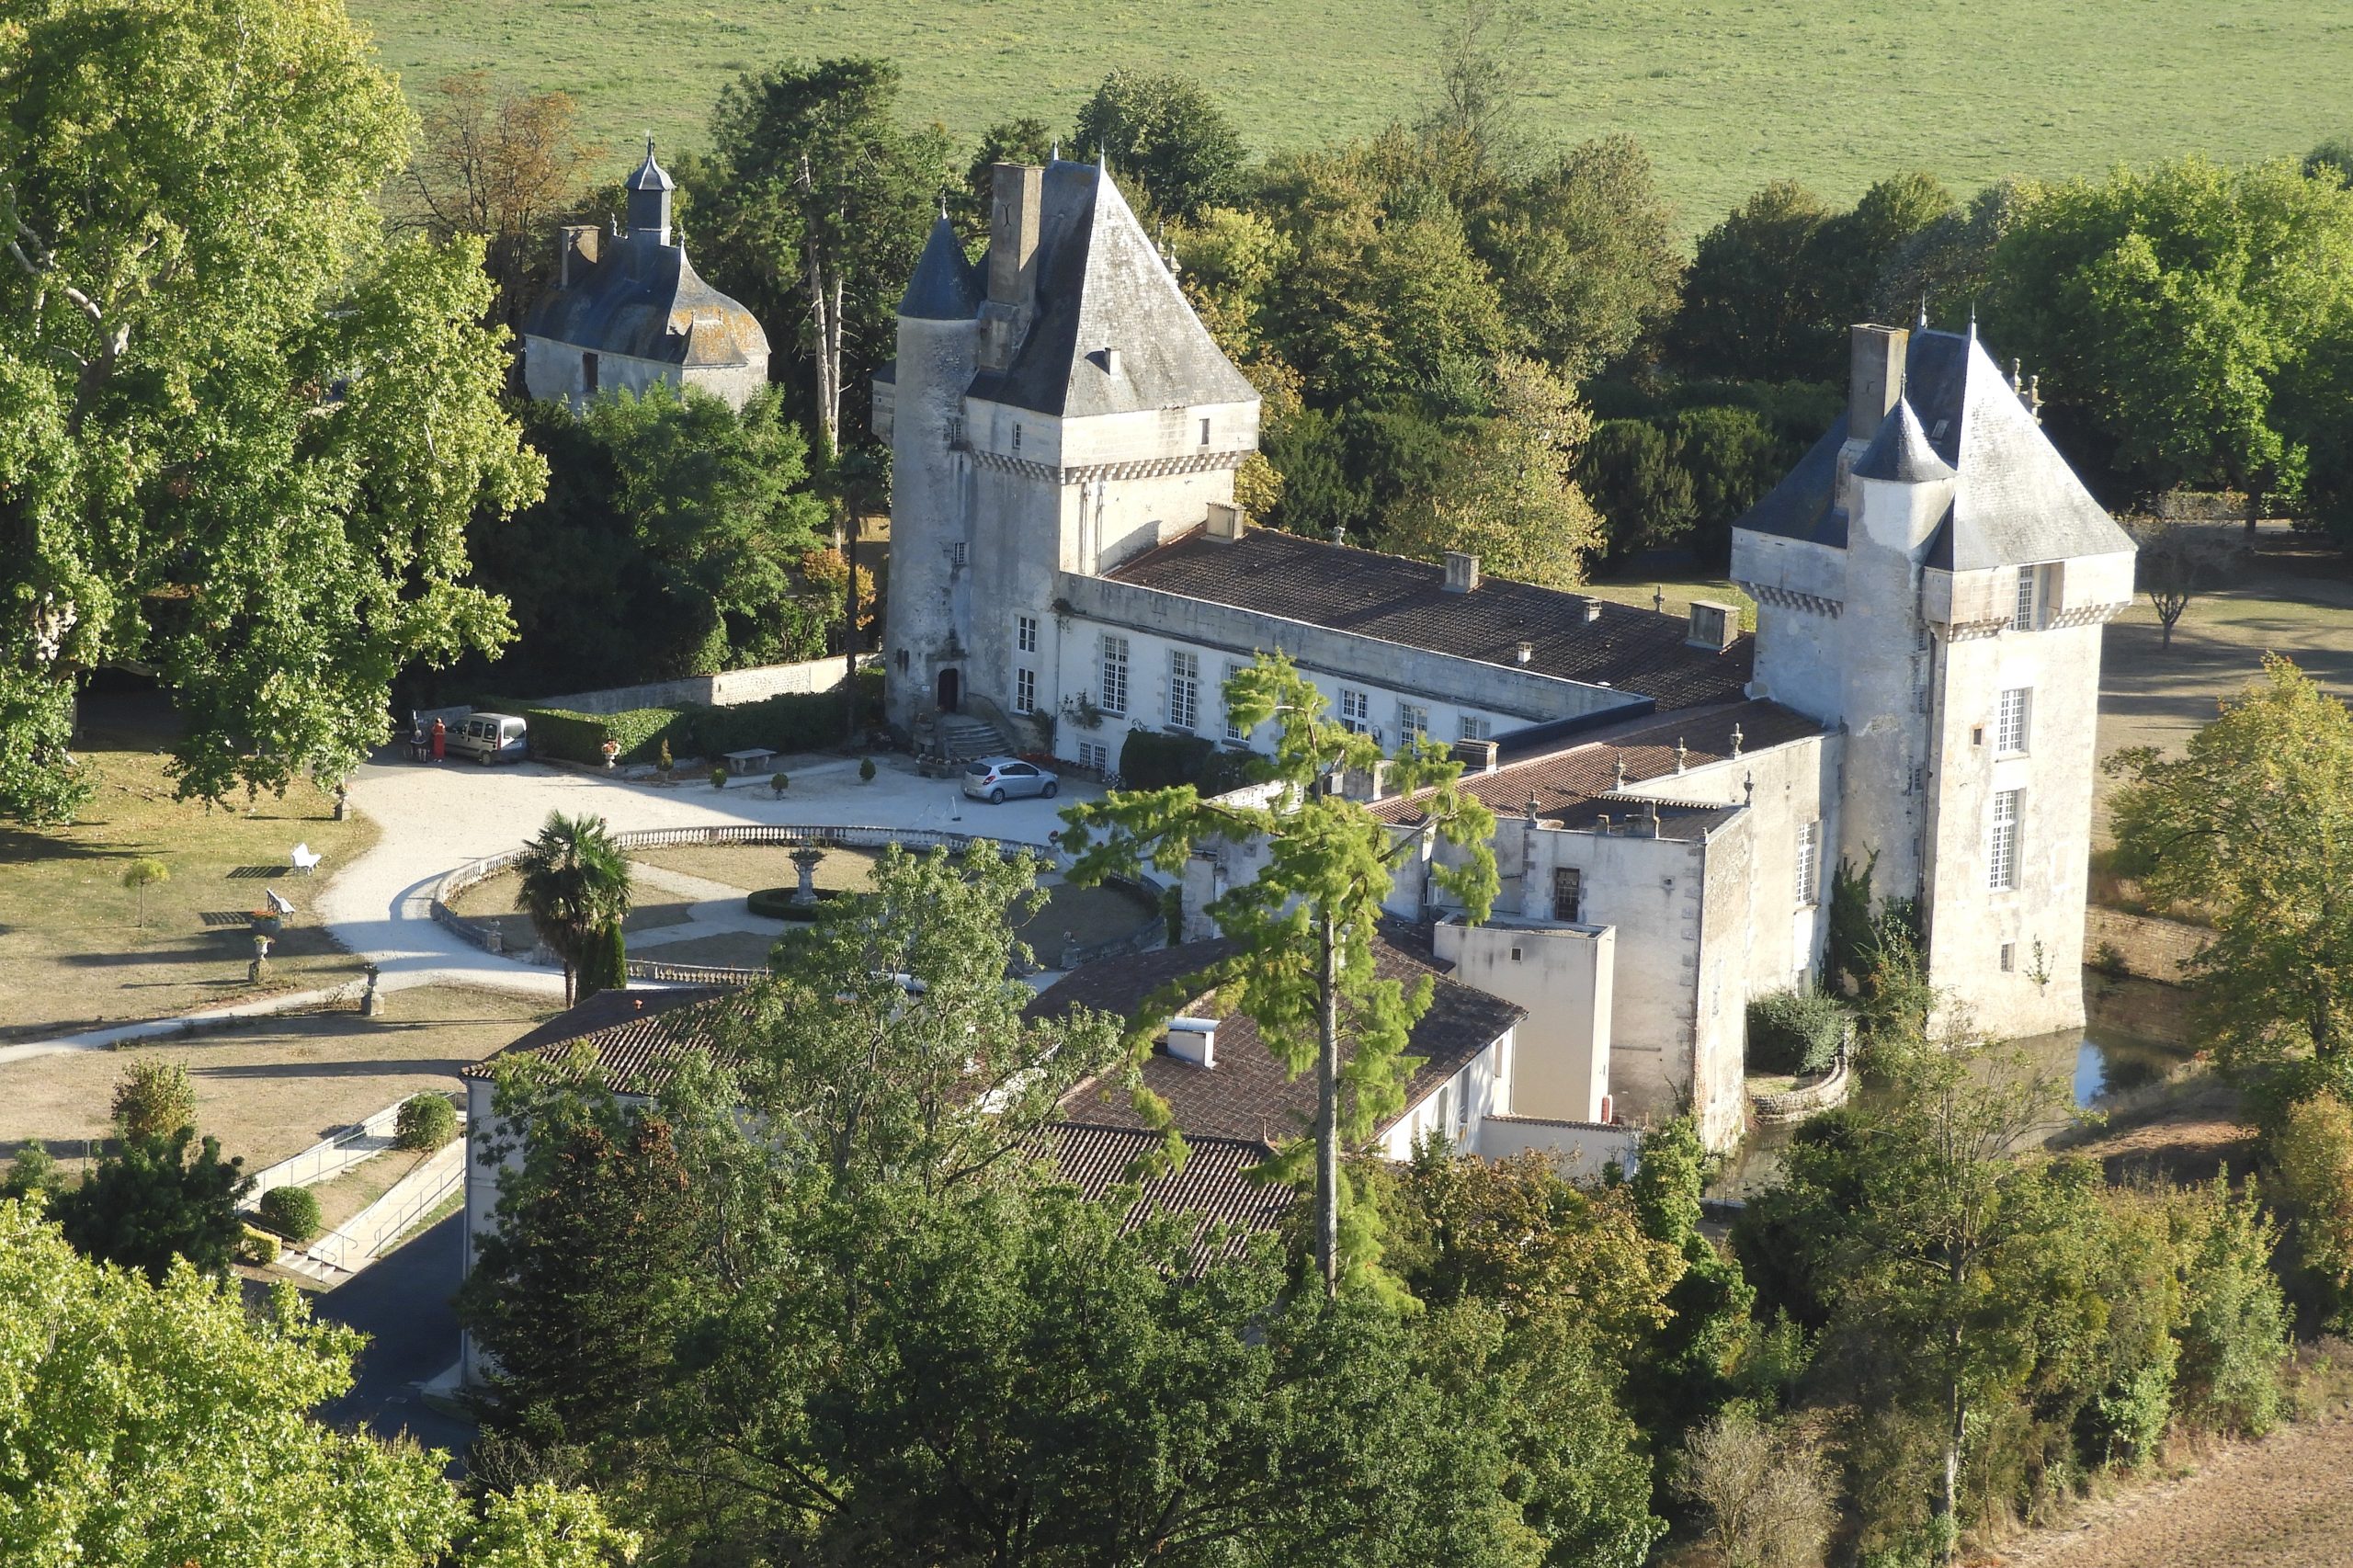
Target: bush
{"points": [[719, 779], [257, 1248], [1794, 1031], [291, 1211], [424, 1122], [865, 770], [779, 783], [793, 721], [153, 1099], [1153, 760], [776, 903]]}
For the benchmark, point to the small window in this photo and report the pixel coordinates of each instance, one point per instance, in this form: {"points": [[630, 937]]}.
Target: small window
{"points": [[1025, 692], [2002, 859], [2010, 723], [1016, 437], [959, 553], [588, 372], [2032, 600], [1205, 432], [1568, 894], [1355, 709], [1184, 688], [1412, 722], [1809, 862], [1515, 955], [1094, 754], [1475, 727], [1025, 633], [1918, 781], [1233, 731], [2009, 958], [1115, 675]]}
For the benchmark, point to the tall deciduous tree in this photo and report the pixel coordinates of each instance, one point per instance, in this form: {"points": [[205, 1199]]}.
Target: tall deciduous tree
{"points": [[2179, 561], [1755, 303], [820, 201], [2255, 823], [575, 883], [1166, 138], [2175, 313], [157, 1424], [246, 435], [1586, 254], [1304, 930]]}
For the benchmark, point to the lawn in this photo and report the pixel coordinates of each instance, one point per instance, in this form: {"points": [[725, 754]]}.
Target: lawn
{"points": [[274, 1087], [1726, 94], [1676, 594], [73, 952]]}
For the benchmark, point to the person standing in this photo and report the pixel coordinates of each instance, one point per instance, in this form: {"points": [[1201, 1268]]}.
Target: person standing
{"points": [[440, 738]]}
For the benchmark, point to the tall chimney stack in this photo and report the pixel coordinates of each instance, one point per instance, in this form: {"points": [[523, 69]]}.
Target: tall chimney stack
{"points": [[1018, 194], [1875, 378]]}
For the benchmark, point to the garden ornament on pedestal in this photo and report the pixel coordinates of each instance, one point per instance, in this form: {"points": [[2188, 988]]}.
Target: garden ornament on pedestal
{"points": [[258, 970], [806, 861], [865, 770], [342, 801], [612, 750], [371, 1001]]}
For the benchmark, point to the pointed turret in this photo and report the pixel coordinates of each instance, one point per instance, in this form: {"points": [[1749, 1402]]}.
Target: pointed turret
{"points": [[649, 199], [1900, 452], [944, 287]]}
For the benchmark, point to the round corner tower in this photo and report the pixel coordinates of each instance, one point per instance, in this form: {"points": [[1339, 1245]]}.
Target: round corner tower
{"points": [[937, 337]]}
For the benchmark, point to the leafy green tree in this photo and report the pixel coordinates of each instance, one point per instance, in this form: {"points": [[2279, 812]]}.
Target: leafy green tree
{"points": [[575, 883], [2254, 823], [2313, 1150], [1855, 250], [142, 874], [151, 1201], [1304, 929], [155, 1423], [2233, 1332], [1026, 139], [1586, 252], [818, 205], [1166, 140], [1732, 458], [1684, 1373], [1755, 303], [153, 1098], [246, 434], [2174, 311], [2335, 156], [1947, 265], [34, 1170], [1510, 494], [605, 966]]}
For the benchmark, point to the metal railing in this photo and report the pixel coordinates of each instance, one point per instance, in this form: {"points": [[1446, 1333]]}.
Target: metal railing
{"points": [[359, 1239]]}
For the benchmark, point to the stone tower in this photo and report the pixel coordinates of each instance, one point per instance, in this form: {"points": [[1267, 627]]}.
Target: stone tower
{"points": [[1061, 410], [1933, 579]]}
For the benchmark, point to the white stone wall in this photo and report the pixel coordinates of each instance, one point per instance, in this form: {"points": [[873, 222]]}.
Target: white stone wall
{"points": [[552, 370], [1563, 975], [930, 511], [1581, 1149], [1484, 1083], [725, 689]]}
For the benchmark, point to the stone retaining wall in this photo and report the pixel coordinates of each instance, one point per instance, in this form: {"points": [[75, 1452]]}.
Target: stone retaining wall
{"points": [[1825, 1093]]}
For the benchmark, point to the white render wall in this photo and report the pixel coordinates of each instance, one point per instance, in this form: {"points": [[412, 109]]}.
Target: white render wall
{"points": [[1484, 1083], [554, 371], [1561, 975]]}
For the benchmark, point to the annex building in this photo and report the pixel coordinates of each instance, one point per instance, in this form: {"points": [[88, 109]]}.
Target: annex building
{"points": [[1067, 565]]}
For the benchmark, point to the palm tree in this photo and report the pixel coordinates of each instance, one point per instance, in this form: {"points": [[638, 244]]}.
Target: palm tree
{"points": [[576, 881]]}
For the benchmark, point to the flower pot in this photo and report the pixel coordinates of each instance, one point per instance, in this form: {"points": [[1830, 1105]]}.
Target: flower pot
{"points": [[267, 925]]}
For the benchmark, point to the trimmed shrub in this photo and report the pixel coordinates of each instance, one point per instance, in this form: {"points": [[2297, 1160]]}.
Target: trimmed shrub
{"points": [[779, 783], [1794, 1031], [793, 721], [865, 770], [256, 1249], [291, 1211], [776, 903], [719, 779], [424, 1122]]}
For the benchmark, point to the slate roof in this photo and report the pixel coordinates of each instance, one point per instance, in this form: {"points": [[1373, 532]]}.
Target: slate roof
{"points": [[1398, 600], [1570, 784], [1246, 1095], [1899, 450], [643, 299], [1102, 285], [2017, 501], [944, 287]]}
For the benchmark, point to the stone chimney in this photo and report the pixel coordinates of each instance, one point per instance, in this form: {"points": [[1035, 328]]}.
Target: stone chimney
{"points": [[1461, 571], [1476, 756], [575, 252], [1592, 609], [1018, 195], [1875, 376]]}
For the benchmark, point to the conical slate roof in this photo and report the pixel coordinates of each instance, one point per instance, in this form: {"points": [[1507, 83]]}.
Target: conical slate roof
{"points": [[650, 175], [946, 287], [1900, 450]]}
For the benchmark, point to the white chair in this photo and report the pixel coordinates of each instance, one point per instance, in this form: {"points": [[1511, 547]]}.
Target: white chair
{"points": [[279, 903], [305, 858]]}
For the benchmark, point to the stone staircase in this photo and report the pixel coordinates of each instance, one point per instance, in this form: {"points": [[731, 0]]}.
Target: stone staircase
{"points": [[960, 737]]}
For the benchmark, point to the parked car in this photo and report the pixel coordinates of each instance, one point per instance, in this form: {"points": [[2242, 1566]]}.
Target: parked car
{"points": [[489, 737], [996, 778]]}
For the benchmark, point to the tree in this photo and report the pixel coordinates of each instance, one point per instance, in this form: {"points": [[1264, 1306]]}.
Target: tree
{"points": [[576, 881], [1304, 928], [2179, 561], [1509, 497], [1732, 459], [2254, 823], [498, 166], [1643, 495], [1855, 250], [2313, 1152], [424, 1122], [153, 1098], [2174, 312], [605, 966], [153, 1423], [246, 434], [1167, 140], [821, 200], [1755, 303], [1483, 80], [142, 874], [2333, 159], [1026, 139], [150, 1202], [1944, 268], [1767, 1495], [1683, 1374], [1586, 252]]}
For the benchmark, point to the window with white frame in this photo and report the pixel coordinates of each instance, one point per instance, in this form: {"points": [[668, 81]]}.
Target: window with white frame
{"points": [[2002, 861], [1809, 862], [2023, 616], [1355, 709], [2010, 720], [1094, 755], [1475, 727], [1025, 692], [1233, 732], [1412, 722], [1184, 688], [1025, 633], [959, 554], [1115, 675]]}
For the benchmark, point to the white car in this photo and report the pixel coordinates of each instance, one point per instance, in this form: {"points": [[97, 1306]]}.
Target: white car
{"points": [[998, 779]]}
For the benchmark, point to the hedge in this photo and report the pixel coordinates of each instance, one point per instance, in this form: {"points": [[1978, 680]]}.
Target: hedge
{"points": [[1152, 759], [1794, 1031], [776, 903], [794, 722]]}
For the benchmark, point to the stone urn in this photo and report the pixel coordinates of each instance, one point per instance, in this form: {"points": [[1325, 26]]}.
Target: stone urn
{"points": [[806, 860]]}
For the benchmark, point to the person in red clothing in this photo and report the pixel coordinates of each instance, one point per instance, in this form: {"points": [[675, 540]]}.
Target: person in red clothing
{"points": [[440, 738]]}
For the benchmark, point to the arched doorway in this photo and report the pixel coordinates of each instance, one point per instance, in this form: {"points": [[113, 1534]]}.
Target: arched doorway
{"points": [[948, 692]]}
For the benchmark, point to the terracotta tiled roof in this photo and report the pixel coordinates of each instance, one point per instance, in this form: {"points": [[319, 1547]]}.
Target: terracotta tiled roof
{"points": [[1246, 1095], [1213, 1184], [1567, 782], [640, 1036], [1398, 600]]}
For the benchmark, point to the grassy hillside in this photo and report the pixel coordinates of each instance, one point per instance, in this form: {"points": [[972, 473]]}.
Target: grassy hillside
{"points": [[1725, 93]]}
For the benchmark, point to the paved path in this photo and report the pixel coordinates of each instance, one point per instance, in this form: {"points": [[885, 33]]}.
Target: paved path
{"points": [[404, 1307]]}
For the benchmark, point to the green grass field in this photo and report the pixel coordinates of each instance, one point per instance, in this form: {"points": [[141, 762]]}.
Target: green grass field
{"points": [[1725, 93]]}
